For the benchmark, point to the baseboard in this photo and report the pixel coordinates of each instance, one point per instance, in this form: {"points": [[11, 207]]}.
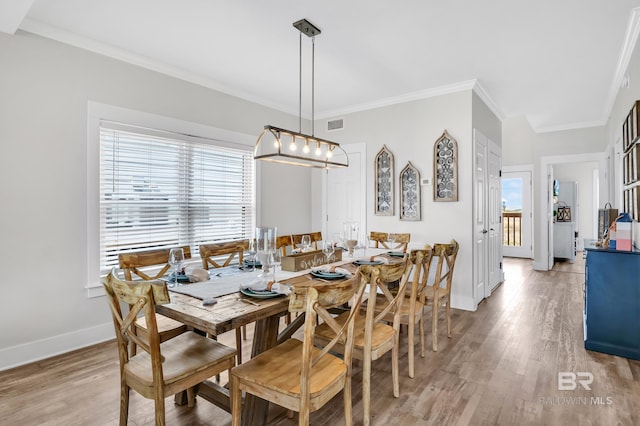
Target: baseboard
{"points": [[26, 353], [540, 266], [463, 302]]}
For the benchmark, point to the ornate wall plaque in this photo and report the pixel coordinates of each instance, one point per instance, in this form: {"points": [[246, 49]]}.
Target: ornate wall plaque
{"points": [[445, 169], [410, 204], [384, 182]]}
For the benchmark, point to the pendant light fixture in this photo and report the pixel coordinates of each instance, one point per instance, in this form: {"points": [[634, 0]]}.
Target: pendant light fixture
{"points": [[296, 148]]}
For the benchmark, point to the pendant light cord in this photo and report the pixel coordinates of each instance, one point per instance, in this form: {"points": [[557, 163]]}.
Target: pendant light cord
{"points": [[313, 84], [300, 86]]}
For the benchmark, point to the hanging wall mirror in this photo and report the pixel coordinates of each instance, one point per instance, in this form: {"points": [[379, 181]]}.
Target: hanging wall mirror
{"points": [[384, 182], [445, 168], [410, 204]]}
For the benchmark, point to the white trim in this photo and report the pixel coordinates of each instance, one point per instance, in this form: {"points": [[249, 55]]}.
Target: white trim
{"points": [[407, 97], [97, 112], [484, 95], [571, 126], [541, 262], [26, 353], [465, 303], [12, 14], [36, 27]]}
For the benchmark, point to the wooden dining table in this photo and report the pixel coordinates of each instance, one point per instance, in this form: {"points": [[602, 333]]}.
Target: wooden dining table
{"points": [[236, 310]]}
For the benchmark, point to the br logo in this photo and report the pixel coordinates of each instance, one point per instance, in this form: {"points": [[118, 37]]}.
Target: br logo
{"points": [[568, 380]]}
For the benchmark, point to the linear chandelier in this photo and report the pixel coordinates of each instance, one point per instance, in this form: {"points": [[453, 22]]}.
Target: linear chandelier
{"points": [[296, 148]]}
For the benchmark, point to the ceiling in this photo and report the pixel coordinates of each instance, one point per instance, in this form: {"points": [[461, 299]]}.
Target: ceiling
{"points": [[558, 63]]}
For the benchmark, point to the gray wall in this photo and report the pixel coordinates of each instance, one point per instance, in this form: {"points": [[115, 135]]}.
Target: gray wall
{"points": [[45, 87]]}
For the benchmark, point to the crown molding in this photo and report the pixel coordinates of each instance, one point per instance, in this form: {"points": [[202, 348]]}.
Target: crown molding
{"points": [[571, 126], [12, 13], [484, 95], [70, 38], [408, 97], [630, 39]]}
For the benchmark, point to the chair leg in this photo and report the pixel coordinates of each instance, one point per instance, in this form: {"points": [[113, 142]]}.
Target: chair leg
{"points": [[124, 403], [366, 387], [421, 333], [434, 330], [394, 366], [238, 346], [448, 312], [346, 393], [236, 400], [159, 403], [411, 343]]}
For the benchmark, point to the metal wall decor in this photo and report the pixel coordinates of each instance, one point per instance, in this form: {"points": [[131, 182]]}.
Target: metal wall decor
{"points": [[410, 204], [384, 182], [445, 168]]}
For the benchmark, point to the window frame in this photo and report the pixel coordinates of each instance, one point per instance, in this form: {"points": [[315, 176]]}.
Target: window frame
{"points": [[98, 112]]}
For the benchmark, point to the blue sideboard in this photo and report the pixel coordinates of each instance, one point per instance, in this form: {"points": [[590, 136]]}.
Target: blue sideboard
{"points": [[612, 302]]}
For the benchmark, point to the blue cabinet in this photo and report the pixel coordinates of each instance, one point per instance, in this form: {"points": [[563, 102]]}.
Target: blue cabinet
{"points": [[612, 302]]}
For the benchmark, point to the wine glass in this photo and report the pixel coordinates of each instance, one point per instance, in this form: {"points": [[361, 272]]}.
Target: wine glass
{"points": [[176, 257], [251, 255], [366, 242], [276, 260], [392, 239], [305, 242], [328, 249]]}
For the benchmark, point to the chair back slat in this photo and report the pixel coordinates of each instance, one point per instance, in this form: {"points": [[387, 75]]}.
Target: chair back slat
{"points": [[208, 253], [446, 254], [131, 262], [316, 237]]}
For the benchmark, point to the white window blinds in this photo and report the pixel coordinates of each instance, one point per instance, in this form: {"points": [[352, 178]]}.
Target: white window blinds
{"points": [[159, 189]]}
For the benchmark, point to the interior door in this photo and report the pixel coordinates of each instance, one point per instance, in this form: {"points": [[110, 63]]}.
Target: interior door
{"points": [[494, 218], [345, 193], [516, 212], [480, 231]]}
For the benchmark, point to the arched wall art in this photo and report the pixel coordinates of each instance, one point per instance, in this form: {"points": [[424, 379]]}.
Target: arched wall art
{"points": [[410, 203], [445, 168], [384, 182]]}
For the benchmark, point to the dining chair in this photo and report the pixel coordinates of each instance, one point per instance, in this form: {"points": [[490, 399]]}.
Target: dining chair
{"points": [[373, 336], [295, 374], [381, 240], [282, 242], [316, 237], [144, 265], [164, 368], [439, 285], [412, 310], [211, 253]]}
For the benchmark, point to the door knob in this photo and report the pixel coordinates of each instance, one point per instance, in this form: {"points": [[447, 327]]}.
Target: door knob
{"points": [[484, 231]]}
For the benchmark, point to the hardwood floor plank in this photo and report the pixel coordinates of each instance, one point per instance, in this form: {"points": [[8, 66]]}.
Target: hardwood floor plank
{"points": [[500, 367]]}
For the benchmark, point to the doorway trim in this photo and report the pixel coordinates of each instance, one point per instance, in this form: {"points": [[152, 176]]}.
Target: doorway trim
{"points": [[545, 212], [525, 168]]}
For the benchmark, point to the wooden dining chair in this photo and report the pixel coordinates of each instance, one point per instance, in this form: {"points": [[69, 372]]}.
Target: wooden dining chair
{"points": [[439, 286], [161, 369], [316, 237], [373, 336], [282, 242], [140, 264], [295, 374], [381, 240], [412, 310], [211, 253]]}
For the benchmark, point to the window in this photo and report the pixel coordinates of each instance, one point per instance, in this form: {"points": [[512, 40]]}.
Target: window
{"points": [[160, 189]]}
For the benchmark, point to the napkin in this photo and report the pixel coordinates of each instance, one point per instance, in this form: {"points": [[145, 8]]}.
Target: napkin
{"points": [[333, 269], [262, 284], [196, 274], [377, 259]]}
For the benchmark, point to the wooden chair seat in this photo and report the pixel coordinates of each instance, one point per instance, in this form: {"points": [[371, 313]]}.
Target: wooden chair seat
{"points": [[185, 355], [159, 369], [283, 376]]}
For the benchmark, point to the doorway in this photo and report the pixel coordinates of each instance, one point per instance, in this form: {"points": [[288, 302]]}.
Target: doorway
{"points": [[516, 214]]}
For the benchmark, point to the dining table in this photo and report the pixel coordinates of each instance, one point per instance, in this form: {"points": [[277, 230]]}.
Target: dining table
{"points": [[235, 309]]}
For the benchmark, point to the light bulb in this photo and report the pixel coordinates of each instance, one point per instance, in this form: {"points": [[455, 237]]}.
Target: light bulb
{"points": [[305, 148], [276, 143], [318, 150], [329, 152], [292, 145]]}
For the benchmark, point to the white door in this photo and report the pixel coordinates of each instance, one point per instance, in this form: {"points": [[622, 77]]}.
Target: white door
{"points": [[494, 219], [480, 231], [345, 193], [516, 214], [549, 210]]}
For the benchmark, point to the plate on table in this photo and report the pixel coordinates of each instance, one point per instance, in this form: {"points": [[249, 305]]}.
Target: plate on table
{"points": [[395, 254], [254, 263], [328, 275], [182, 278], [259, 294], [367, 262]]}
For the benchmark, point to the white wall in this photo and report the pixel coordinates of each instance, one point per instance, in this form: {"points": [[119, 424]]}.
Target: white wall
{"points": [[409, 130], [45, 87]]}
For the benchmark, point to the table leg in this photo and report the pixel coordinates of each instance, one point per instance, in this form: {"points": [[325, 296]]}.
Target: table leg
{"points": [[265, 336]]}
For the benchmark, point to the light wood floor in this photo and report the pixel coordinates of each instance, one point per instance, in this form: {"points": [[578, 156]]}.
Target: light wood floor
{"points": [[500, 367]]}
